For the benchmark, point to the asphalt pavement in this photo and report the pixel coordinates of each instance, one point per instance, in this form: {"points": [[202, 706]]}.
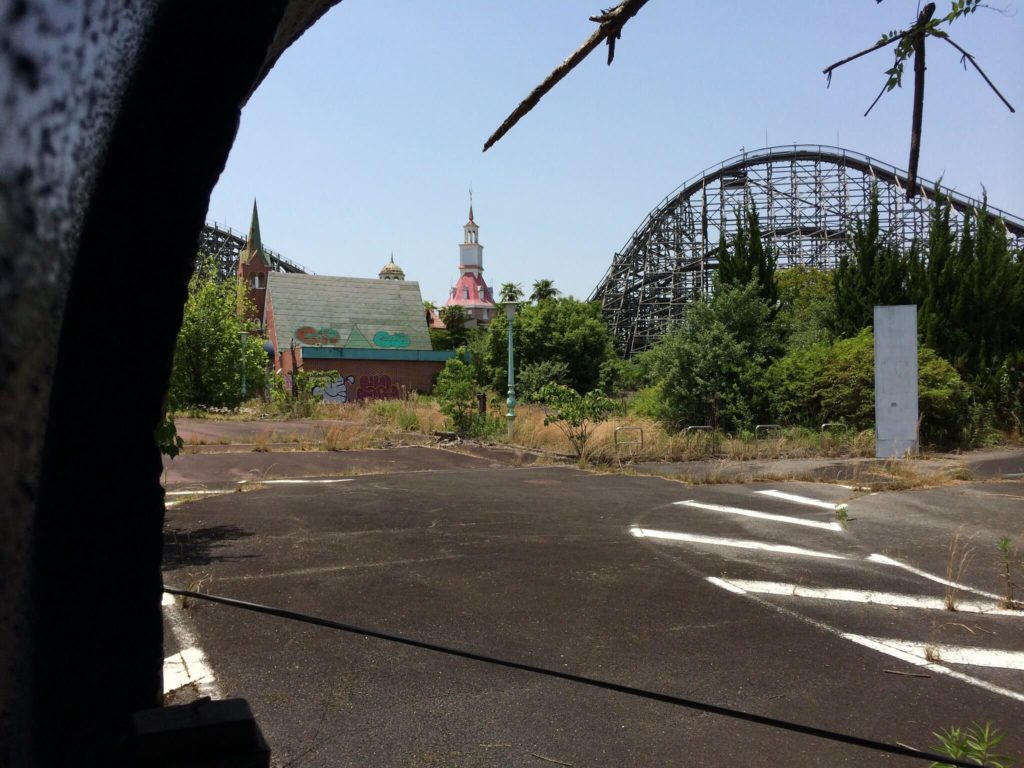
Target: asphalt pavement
{"points": [[751, 596]]}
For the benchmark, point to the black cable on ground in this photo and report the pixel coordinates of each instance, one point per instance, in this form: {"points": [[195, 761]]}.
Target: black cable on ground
{"points": [[808, 730]]}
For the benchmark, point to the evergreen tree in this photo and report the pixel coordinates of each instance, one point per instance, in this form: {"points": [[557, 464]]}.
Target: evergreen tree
{"points": [[749, 258], [874, 271]]}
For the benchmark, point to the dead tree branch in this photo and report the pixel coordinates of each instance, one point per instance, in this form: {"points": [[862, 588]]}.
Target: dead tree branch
{"points": [[912, 45], [827, 71], [609, 30], [970, 58], [919, 33]]}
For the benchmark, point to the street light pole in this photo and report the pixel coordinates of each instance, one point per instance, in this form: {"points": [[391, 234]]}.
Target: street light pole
{"points": [[510, 313], [242, 335]]}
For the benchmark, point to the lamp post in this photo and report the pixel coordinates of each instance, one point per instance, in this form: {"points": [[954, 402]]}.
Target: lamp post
{"points": [[510, 313], [242, 335]]}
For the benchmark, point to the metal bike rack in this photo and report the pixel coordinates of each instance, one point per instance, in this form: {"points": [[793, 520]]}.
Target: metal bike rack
{"points": [[829, 426], [618, 442], [757, 431], [701, 428]]}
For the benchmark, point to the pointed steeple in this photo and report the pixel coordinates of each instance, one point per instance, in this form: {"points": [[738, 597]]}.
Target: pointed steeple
{"points": [[471, 212], [254, 243]]}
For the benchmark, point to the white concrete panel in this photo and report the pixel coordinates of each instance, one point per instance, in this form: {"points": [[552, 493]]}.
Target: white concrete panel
{"points": [[895, 380]]}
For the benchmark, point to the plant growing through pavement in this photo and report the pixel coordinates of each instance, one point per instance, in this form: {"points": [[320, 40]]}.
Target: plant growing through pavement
{"points": [[842, 514], [956, 565], [1012, 561], [976, 742]]}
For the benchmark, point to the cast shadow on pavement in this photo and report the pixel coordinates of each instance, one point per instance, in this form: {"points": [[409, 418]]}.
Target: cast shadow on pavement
{"points": [[201, 546]]}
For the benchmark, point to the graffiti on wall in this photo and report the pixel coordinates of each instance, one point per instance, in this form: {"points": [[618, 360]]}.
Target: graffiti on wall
{"points": [[337, 391], [311, 336], [307, 334], [380, 387], [390, 340]]}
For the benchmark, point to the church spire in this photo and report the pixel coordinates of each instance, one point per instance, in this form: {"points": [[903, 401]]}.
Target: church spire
{"points": [[253, 244]]}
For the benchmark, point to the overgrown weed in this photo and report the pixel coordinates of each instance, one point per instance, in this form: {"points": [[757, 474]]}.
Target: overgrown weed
{"points": [[956, 566]]}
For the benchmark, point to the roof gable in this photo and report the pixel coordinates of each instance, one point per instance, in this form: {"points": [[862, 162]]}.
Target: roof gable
{"points": [[347, 312]]}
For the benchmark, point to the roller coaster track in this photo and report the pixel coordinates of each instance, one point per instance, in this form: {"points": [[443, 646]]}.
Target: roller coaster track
{"points": [[223, 243], [807, 198]]}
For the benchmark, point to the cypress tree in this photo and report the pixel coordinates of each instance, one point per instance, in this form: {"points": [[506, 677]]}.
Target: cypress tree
{"points": [[749, 259]]}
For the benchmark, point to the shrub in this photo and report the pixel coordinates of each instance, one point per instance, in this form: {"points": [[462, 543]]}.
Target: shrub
{"points": [[649, 403], [300, 401], [847, 387], [455, 391], [794, 385], [574, 414], [942, 399]]}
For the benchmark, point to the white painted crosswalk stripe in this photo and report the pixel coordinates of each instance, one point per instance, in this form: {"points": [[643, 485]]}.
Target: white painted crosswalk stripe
{"points": [[891, 648], [832, 526], [957, 654], [882, 646], [930, 576], [300, 481], [869, 597], [716, 541], [196, 493], [800, 499], [188, 667]]}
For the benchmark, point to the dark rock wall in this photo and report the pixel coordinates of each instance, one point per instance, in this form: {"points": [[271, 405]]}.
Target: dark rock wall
{"points": [[63, 70], [116, 119]]}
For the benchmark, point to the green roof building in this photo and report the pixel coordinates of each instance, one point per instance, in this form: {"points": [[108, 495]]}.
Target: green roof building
{"points": [[372, 332]]}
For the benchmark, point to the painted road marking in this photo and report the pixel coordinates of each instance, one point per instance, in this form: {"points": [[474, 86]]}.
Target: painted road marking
{"points": [[195, 493], [187, 667], [761, 515], [648, 533], [298, 481], [800, 499], [882, 646], [869, 597], [874, 644], [725, 585], [957, 654], [931, 576]]}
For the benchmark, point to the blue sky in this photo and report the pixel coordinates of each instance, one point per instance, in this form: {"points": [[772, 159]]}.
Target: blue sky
{"points": [[365, 137]]}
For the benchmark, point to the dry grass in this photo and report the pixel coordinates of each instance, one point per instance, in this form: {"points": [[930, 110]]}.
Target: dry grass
{"points": [[956, 566], [908, 473], [659, 445]]}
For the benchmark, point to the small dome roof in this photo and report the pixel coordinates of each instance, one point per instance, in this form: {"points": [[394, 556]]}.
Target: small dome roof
{"points": [[392, 271]]}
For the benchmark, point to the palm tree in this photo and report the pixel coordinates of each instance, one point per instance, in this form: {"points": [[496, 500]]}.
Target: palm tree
{"points": [[429, 308], [455, 319], [510, 292], [544, 289]]}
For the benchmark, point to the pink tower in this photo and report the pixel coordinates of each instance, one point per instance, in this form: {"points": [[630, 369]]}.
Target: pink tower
{"points": [[471, 291]]}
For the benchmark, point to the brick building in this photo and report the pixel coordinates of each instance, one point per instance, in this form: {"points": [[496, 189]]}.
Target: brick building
{"points": [[372, 332]]}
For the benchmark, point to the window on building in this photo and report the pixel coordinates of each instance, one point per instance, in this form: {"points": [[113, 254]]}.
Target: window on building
{"points": [[465, 292]]}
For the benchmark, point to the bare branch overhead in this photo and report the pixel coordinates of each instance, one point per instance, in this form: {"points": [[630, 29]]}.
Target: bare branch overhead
{"points": [[610, 23]]}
